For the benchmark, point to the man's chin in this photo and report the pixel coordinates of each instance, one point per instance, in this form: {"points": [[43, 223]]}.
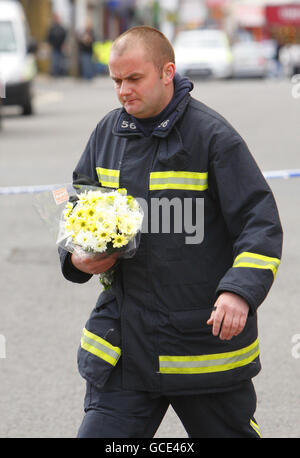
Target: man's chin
{"points": [[137, 113], [131, 109]]}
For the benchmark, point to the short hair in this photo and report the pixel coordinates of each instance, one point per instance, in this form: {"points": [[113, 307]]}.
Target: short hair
{"points": [[157, 46]]}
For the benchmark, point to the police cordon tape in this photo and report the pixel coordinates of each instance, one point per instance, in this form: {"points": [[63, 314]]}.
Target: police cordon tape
{"points": [[292, 173], [27, 189]]}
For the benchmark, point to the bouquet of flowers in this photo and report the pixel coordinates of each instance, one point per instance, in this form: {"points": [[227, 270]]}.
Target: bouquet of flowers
{"points": [[98, 222]]}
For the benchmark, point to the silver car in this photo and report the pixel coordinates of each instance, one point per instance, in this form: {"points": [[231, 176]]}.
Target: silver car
{"points": [[249, 60]]}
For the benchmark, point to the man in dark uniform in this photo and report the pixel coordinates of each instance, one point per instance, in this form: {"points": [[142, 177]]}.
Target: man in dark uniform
{"points": [[180, 321], [56, 38]]}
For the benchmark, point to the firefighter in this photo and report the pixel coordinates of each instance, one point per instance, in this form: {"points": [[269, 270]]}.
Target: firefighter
{"points": [[179, 324]]}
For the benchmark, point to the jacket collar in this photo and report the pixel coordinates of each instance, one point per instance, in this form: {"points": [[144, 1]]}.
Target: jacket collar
{"points": [[126, 127]]}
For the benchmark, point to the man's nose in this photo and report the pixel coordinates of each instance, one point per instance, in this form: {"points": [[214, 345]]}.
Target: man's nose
{"points": [[125, 88]]}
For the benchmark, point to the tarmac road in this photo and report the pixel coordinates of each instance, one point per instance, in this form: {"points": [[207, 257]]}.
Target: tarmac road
{"points": [[42, 315]]}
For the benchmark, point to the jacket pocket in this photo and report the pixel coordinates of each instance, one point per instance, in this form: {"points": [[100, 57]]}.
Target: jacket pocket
{"points": [[100, 346], [188, 321], [194, 350]]}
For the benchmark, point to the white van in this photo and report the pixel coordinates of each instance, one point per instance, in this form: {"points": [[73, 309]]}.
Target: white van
{"points": [[17, 61]]}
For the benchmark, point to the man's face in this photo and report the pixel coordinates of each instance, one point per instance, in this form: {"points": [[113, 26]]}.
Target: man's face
{"points": [[140, 88]]}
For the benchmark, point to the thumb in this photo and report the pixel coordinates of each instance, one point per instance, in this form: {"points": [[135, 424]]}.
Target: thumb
{"points": [[211, 318]]}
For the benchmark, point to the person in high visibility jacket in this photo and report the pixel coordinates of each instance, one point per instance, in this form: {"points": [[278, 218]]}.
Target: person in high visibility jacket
{"points": [[179, 323], [101, 51]]}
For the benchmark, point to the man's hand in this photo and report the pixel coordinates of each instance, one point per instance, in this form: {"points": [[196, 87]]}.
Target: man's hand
{"points": [[230, 315], [93, 264]]}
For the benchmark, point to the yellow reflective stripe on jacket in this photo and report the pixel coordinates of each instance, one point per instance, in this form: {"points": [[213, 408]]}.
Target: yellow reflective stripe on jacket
{"points": [[100, 347], [203, 364], [257, 261], [194, 181], [108, 177], [255, 427]]}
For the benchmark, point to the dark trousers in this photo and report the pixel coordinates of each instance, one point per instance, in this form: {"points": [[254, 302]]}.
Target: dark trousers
{"points": [[134, 414], [57, 63]]}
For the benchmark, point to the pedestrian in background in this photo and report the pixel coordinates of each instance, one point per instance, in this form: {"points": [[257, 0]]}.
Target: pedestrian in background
{"points": [[85, 44], [56, 38], [183, 316]]}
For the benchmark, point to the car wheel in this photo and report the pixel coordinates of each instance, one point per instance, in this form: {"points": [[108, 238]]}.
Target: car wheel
{"points": [[27, 108], [1, 115]]}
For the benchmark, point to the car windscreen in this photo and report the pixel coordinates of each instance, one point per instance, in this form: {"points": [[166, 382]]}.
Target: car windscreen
{"points": [[200, 42], [7, 37]]}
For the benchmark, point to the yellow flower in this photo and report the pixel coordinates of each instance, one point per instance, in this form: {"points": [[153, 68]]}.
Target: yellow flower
{"points": [[109, 226], [132, 203], [68, 227], [92, 228], [69, 205], [82, 197], [119, 240], [100, 247], [91, 211], [129, 229], [71, 220], [103, 236], [68, 210], [80, 213], [82, 224], [99, 217], [122, 191], [109, 199]]}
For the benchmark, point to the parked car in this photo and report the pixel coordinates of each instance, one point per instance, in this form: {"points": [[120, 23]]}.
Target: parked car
{"points": [[249, 60], [17, 61], [204, 52], [290, 59]]}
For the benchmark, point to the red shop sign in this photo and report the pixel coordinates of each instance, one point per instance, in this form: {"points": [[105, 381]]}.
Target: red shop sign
{"points": [[283, 15]]}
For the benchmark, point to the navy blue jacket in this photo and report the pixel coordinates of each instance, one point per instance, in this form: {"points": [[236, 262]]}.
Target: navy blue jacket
{"points": [[149, 332]]}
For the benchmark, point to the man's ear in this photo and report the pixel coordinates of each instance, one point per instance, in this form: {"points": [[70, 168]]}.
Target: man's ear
{"points": [[168, 72]]}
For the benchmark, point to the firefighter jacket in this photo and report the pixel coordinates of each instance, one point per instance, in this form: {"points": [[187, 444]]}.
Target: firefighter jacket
{"points": [[148, 331]]}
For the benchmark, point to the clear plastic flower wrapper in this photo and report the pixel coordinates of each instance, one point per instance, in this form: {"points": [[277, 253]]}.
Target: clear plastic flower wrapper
{"points": [[93, 221]]}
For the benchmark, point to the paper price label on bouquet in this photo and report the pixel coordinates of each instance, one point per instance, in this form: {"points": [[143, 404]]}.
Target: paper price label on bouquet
{"points": [[60, 195]]}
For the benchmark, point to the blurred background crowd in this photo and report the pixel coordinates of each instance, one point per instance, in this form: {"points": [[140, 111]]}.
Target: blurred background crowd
{"points": [[73, 36]]}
